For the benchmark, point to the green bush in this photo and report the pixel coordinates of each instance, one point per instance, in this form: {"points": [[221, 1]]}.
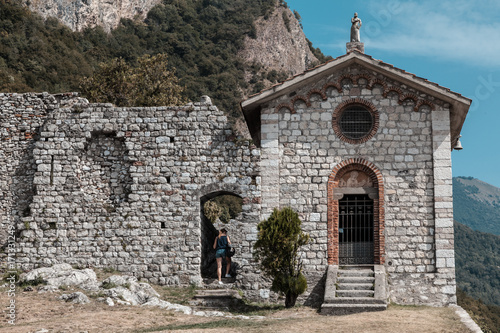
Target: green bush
{"points": [[280, 238]]}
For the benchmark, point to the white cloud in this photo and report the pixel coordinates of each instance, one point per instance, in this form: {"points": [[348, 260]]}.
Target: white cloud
{"points": [[452, 30]]}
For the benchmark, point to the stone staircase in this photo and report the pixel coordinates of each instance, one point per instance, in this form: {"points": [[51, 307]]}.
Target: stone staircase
{"points": [[353, 289], [215, 296]]}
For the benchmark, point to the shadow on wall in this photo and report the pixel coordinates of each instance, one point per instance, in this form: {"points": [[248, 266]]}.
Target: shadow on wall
{"points": [[22, 186]]}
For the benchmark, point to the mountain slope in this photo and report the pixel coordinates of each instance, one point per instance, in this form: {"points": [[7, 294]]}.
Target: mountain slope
{"points": [[477, 256], [476, 204], [209, 44]]}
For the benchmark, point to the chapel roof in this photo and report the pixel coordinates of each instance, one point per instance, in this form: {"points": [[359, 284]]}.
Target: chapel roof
{"points": [[459, 104]]}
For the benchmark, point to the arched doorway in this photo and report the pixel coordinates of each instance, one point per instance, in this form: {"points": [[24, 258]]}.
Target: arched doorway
{"points": [[355, 214], [229, 206]]}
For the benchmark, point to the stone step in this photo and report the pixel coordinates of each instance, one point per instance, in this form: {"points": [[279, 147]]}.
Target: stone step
{"points": [[355, 293], [215, 298], [354, 300], [355, 286], [355, 279], [356, 273], [217, 293], [345, 309]]}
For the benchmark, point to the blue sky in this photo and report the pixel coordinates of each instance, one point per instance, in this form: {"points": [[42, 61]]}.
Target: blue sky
{"points": [[453, 43]]}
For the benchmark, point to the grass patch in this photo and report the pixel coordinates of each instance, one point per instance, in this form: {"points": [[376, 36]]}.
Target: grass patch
{"points": [[178, 295], [224, 323], [108, 285], [255, 309]]}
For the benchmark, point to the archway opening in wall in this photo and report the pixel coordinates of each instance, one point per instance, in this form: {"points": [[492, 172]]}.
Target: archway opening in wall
{"points": [[217, 209], [356, 214]]}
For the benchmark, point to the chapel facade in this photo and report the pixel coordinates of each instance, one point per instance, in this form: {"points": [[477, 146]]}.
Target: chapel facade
{"points": [[362, 150]]}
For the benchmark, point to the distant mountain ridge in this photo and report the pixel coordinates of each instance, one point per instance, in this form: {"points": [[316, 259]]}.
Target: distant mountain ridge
{"points": [[476, 204]]}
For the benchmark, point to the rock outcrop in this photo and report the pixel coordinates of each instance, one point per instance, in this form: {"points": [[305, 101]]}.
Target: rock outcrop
{"points": [[63, 275], [280, 45], [80, 14]]}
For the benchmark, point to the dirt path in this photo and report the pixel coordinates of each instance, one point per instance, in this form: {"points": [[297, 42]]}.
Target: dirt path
{"points": [[44, 311]]}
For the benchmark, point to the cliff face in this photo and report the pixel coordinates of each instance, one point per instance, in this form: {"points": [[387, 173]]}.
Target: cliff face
{"points": [[280, 44], [79, 14]]}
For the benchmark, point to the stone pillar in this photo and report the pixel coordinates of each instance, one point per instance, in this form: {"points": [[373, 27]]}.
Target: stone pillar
{"points": [[355, 46], [443, 197], [269, 162]]}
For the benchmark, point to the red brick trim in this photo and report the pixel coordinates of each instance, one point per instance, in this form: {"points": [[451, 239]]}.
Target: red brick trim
{"points": [[346, 77], [285, 106], [332, 85], [413, 97], [377, 81], [365, 76], [373, 172], [301, 98], [351, 102], [394, 89], [371, 81], [422, 103], [317, 92]]}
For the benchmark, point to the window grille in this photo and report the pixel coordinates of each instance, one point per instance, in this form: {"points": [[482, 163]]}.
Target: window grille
{"points": [[356, 122]]}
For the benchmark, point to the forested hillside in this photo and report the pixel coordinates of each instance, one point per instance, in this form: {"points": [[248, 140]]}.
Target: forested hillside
{"points": [[201, 38], [477, 256], [476, 204]]}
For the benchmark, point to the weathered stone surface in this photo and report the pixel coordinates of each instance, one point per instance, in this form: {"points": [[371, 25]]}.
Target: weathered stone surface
{"points": [[156, 302], [76, 298], [64, 275], [80, 14], [128, 289]]}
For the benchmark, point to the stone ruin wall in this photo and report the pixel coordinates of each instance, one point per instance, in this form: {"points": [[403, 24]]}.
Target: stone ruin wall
{"points": [[21, 118], [98, 186]]}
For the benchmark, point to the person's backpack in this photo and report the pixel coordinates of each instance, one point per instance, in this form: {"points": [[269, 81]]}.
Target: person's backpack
{"points": [[230, 251]]}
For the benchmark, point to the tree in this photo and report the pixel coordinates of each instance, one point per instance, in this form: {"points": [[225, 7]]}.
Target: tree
{"points": [[277, 246], [223, 207], [148, 84], [212, 210]]}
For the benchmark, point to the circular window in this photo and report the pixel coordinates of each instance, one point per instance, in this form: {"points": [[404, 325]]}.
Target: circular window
{"points": [[355, 121]]}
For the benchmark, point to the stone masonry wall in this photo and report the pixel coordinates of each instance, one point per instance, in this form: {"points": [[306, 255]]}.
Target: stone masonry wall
{"points": [[121, 187], [21, 117], [300, 149]]}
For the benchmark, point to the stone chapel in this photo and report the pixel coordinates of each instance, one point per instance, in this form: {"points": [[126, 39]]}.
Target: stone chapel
{"points": [[362, 150]]}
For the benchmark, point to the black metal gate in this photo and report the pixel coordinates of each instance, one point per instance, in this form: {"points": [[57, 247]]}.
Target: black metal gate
{"points": [[355, 230]]}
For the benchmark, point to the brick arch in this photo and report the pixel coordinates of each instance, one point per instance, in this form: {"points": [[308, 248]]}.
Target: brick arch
{"points": [[373, 172]]}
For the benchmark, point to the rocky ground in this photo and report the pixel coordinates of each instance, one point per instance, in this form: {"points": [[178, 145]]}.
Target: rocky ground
{"points": [[121, 304]]}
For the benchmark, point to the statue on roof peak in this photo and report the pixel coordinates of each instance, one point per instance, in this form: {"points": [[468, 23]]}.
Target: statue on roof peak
{"points": [[356, 25]]}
